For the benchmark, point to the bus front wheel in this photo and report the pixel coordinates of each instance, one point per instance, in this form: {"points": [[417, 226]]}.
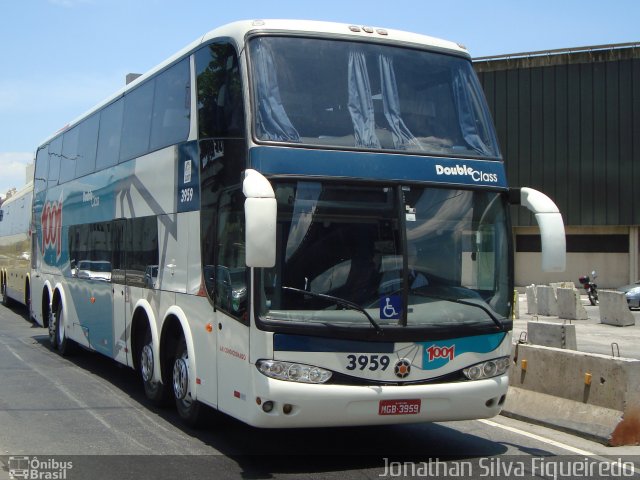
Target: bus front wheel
{"points": [[190, 410]]}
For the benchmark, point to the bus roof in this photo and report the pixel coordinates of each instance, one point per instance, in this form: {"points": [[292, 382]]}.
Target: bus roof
{"points": [[24, 190], [238, 31]]}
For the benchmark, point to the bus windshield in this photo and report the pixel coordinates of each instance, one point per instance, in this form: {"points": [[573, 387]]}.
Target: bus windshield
{"points": [[342, 94], [345, 243]]}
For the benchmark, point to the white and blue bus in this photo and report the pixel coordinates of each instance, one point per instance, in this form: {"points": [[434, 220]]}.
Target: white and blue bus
{"points": [[15, 247], [296, 223]]}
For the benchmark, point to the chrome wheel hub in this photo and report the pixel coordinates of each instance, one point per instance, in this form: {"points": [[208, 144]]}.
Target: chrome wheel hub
{"points": [[147, 363], [60, 331], [52, 326], [180, 378]]}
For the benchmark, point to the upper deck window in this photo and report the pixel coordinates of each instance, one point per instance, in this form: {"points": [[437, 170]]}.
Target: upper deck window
{"points": [[220, 111], [368, 96]]}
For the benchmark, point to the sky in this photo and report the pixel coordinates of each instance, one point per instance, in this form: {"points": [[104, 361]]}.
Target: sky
{"points": [[58, 58]]}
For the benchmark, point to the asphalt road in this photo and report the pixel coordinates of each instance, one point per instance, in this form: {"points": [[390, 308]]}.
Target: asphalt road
{"points": [[86, 417]]}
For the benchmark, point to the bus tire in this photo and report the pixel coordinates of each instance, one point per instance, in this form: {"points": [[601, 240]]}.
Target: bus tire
{"points": [[6, 301], [156, 392], [64, 345], [190, 410], [53, 334], [27, 301]]}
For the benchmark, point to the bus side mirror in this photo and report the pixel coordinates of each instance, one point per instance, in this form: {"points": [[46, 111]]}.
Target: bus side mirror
{"points": [[554, 244], [260, 211], [1, 215]]}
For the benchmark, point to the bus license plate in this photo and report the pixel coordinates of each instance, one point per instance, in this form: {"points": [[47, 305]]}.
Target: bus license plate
{"points": [[399, 407]]}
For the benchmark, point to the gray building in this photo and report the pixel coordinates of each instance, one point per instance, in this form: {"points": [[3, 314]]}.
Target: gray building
{"points": [[568, 122]]}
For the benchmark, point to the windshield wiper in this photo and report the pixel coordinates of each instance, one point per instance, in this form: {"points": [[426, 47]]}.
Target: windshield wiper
{"points": [[339, 301], [462, 301]]}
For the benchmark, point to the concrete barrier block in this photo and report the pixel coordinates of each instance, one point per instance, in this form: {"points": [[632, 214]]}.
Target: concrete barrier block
{"points": [[569, 304], [590, 382], [557, 285], [546, 298], [589, 421], [532, 304], [614, 309], [557, 335]]}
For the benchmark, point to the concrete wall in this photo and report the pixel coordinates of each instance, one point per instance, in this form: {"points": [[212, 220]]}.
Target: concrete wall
{"points": [[614, 269], [612, 384]]}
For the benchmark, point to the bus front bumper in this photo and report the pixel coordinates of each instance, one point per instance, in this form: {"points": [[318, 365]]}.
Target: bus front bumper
{"points": [[282, 404]]}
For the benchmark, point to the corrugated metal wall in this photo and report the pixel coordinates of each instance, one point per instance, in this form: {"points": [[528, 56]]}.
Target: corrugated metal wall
{"points": [[569, 125]]}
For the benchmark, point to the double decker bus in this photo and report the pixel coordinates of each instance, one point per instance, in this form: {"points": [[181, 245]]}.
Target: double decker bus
{"points": [[296, 223], [15, 247]]}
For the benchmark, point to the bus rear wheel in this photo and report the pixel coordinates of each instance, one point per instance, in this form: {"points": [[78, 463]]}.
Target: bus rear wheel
{"points": [[64, 345], [53, 335], [190, 410], [6, 301], [156, 392]]}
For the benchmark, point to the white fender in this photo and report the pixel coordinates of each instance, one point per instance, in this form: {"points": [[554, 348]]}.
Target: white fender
{"points": [[63, 300], [186, 329], [49, 288], [155, 338]]}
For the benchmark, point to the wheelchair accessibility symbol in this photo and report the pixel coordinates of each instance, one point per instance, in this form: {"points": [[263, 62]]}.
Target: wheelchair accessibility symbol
{"points": [[390, 307]]}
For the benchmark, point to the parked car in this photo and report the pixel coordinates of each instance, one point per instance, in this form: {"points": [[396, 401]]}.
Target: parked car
{"points": [[230, 286], [93, 270], [632, 292]]}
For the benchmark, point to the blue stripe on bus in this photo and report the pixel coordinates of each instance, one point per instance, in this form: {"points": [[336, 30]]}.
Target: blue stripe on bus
{"points": [[377, 166], [301, 343], [283, 342], [438, 353]]}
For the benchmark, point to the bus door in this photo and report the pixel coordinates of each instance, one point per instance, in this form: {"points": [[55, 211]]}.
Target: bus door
{"points": [[229, 279], [120, 293]]}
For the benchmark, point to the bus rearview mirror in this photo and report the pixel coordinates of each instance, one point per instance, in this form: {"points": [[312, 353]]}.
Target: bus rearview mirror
{"points": [[552, 234], [260, 211]]}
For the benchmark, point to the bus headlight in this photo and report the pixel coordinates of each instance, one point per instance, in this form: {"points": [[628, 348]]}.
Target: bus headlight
{"points": [[488, 369], [293, 372]]}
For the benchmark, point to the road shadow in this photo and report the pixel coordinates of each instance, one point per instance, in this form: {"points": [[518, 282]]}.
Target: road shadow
{"points": [[21, 311]]}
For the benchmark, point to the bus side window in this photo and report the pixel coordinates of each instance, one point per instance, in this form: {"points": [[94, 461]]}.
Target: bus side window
{"points": [[55, 152], [87, 144], [136, 128], [69, 155], [42, 169], [142, 256], [230, 273], [109, 135], [171, 107]]}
